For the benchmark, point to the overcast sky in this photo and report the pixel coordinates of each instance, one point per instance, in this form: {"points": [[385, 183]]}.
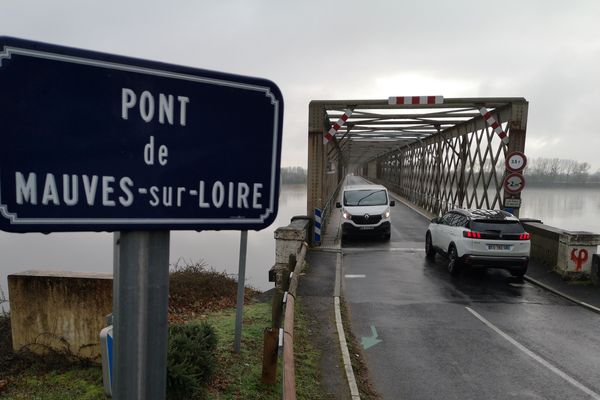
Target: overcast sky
{"points": [[546, 51]]}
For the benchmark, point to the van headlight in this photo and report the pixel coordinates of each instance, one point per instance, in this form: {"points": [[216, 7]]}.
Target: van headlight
{"points": [[386, 214], [346, 215]]}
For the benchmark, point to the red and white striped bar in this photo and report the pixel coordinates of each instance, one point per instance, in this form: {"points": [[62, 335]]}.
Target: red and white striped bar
{"points": [[416, 100], [495, 125], [336, 127]]}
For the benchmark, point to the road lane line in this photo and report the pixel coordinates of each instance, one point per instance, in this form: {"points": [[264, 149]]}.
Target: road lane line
{"points": [[537, 358], [350, 276]]}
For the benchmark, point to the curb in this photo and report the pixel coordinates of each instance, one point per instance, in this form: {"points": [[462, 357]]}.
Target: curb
{"points": [[352, 385], [561, 294]]}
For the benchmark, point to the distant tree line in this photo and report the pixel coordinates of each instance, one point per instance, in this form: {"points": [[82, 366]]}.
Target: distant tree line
{"points": [[545, 171], [293, 175]]}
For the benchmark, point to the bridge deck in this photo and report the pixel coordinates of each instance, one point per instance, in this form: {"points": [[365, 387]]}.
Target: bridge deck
{"points": [[482, 335]]}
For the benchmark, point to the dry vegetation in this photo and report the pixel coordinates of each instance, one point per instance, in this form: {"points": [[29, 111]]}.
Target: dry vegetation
{"points": [[196, 290]]}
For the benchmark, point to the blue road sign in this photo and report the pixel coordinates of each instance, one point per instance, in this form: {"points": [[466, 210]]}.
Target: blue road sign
{"points": [[317, 227], [98, 142]]}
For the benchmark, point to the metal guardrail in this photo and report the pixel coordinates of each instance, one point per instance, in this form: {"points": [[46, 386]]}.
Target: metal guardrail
{"points": [[281, 340]]}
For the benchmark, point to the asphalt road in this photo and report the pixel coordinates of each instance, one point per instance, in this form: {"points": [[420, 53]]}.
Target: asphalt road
{"points": [[482, 335]]}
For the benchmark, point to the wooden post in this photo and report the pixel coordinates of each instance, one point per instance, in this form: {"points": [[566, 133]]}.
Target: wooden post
{"points": [[270, 349]]}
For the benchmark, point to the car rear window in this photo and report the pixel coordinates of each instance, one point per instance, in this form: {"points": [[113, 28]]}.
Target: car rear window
{"points": [[365, 197], [497, 226]]}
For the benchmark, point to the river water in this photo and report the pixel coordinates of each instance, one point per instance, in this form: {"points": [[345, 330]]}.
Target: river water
{"points": [[572, 209], [92, 252]]}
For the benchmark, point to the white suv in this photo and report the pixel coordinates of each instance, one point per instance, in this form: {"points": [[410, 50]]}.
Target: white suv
{"points": [[479, 238], [366, 211]]}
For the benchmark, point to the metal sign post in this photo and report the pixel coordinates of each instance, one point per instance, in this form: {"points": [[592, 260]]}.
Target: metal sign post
{"points": [[240, 292], [140, 307]]}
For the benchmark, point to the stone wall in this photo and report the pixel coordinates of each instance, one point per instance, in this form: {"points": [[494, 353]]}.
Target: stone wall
{"points": [[64, 311], [568, 252]]}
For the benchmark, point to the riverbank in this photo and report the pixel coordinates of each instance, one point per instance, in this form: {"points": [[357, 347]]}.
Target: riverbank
{"points": [[197, 295]]}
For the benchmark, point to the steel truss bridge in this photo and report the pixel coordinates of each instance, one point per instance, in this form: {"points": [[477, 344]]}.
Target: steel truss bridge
{"points": [[437, 156]]}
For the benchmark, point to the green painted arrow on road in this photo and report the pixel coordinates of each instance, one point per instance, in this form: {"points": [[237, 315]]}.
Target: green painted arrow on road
{"points": [[370, 341]]}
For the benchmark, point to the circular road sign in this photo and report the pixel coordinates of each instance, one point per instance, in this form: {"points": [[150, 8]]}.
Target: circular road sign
{"points": [[516, 161], [514, 183]]}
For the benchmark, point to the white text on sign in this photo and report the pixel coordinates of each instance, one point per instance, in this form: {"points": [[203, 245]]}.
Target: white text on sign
{"points": [[110, 191], [149, 107]]}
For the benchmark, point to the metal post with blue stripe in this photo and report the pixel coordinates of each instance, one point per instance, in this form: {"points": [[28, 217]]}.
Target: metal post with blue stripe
{"points": [[317, 237], [106, 347]]}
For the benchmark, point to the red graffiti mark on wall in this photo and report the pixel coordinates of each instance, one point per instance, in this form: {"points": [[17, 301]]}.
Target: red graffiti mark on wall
{"points": [[579, 259]]}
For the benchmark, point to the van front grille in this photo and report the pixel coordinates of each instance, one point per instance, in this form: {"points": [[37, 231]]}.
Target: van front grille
{"points": [[366, 219]]}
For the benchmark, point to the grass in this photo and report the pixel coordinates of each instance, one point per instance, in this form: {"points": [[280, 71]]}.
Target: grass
{"points": [[238, 375], [39, 384], [210, 297]]}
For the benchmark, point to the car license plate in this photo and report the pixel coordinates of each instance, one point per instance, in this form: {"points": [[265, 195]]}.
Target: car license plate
{"points": [[366, 228], [499, 246]]}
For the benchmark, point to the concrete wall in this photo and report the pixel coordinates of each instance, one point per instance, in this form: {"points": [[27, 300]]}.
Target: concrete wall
{"points": [[568, 252], [288, 240], [61, 310]]}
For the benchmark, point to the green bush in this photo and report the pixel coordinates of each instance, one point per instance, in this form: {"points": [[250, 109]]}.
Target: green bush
{"points": [[191, 359]]}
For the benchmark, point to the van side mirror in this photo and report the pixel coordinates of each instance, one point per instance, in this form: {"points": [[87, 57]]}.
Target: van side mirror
{"points": [[435, 220], [392, 203], [338, 205]]}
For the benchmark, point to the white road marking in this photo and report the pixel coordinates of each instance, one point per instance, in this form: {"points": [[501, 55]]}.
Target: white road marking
{"points": [[350, 276], [345, 353], [364, 249], [537, 358]]}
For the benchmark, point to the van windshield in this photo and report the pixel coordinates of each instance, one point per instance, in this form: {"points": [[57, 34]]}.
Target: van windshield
{"points": [[365, 197]]}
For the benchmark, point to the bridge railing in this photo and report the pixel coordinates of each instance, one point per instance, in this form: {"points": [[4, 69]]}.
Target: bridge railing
{"points": [[330, 204], [290, 253]]}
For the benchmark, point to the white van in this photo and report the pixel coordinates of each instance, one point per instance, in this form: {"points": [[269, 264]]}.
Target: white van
{"points": [[366, 211]]}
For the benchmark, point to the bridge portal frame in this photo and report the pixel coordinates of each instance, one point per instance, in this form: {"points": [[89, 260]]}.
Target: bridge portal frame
{"points": [[438, 156]]}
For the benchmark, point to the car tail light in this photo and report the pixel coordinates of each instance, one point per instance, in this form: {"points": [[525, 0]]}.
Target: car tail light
{"points": [[524, 236], [472, 234]]}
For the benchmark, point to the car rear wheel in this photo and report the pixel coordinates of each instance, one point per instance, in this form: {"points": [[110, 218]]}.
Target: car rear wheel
{"points": [[453, 262], [429, 250]]}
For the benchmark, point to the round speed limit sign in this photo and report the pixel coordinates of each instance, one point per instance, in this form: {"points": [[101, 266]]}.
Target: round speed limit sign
{"points": [[514, 183], [516, 161]]}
